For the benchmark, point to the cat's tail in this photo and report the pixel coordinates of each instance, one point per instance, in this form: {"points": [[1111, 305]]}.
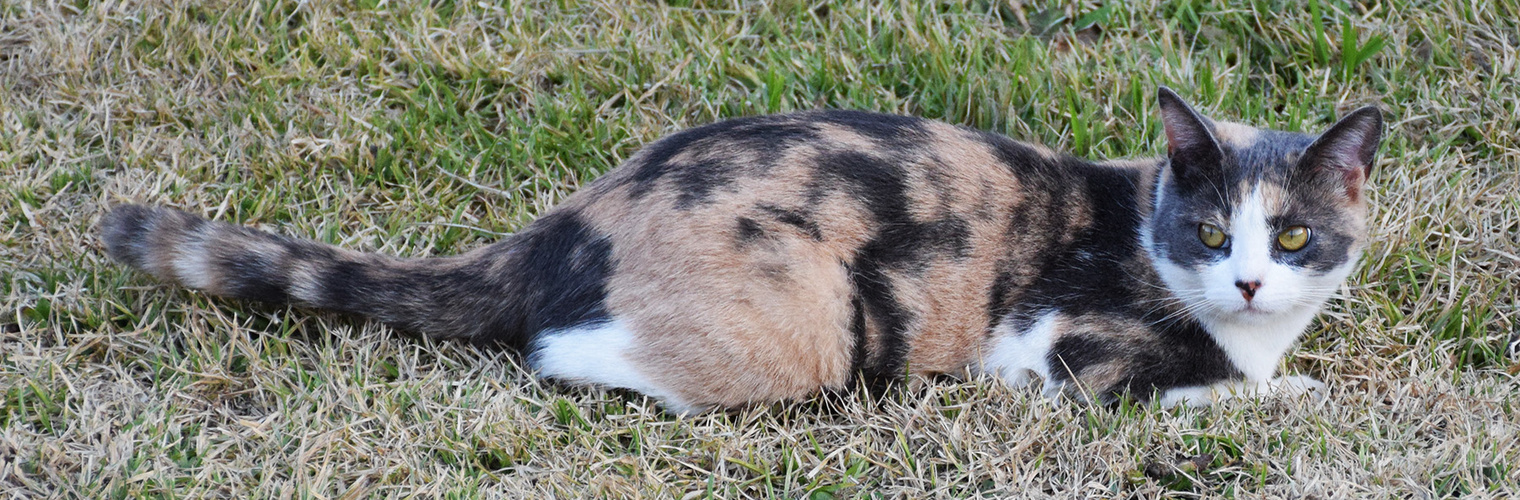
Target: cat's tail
{"points": [[419, 295]]}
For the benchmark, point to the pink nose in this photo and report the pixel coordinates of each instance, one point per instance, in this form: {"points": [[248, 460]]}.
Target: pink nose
{"points": [[1248, 289]]}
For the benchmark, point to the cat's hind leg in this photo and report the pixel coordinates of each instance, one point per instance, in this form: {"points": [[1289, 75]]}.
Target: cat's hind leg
{"points": [[599, 354], [1020, 358]]}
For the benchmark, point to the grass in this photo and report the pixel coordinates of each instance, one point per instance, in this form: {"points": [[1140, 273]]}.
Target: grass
{"points": [[427, 129]]}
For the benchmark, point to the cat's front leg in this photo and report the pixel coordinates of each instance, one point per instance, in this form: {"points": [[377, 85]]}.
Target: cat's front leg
{"points": [[1205, 395]]}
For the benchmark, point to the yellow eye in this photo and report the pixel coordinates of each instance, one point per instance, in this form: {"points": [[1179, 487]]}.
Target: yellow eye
{"points": [[1211, 235], [1293, 238]]}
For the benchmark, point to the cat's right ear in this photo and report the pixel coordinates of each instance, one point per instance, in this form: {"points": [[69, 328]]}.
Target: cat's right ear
{"points": [[1189, 141]]}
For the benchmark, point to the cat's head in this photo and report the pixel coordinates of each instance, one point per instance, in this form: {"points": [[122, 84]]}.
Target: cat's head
{"points": [[1252, 225]]}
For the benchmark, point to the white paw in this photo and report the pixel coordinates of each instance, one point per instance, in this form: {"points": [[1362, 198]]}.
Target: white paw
{"points": [[1197, 396], [1299, 385], [1289, 386]]}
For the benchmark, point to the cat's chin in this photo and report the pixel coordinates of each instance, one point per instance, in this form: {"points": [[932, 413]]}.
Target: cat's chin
{"points": [[1248, 314], [1251, 311], [1260, 310]]}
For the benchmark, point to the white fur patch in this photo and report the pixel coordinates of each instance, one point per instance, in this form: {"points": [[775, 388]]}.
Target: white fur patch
{"points": [[1017, 357], [1256, 349], [1251, 242], [1206, 395], [304, 284], [191, 266], [597, 354]]}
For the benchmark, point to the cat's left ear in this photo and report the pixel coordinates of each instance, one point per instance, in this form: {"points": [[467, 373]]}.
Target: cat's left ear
{"points": [[1349, 148]]}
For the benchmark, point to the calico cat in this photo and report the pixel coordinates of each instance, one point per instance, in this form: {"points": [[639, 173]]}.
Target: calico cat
{"points": [[771, 257]]}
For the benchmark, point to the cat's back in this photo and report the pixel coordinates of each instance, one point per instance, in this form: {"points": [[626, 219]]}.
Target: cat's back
{"points": [[863, 151], [838, 181], [829, 166]]}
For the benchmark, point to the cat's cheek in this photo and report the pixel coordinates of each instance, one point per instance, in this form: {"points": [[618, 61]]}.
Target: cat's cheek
{"points": [[1187, 283], [1332, 280], [1219, 288], [1289, 289], [1282, 290]]}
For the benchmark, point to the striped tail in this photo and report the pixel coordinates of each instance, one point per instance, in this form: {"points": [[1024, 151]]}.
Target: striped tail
{"points": [[450, 297]]}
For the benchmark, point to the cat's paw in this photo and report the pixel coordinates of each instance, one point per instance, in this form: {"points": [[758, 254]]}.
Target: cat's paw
{"points": [[1300, 385], [1287, 386]]}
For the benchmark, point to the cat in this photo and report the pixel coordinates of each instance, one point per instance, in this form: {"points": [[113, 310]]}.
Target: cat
{"points": [[768, 258]]}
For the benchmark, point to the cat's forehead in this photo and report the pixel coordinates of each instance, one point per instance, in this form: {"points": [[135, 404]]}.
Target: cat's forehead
{"points": [[1261, 148], [1260, 156]]}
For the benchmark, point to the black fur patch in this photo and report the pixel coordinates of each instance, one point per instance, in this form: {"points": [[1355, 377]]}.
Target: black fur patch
{"points": [[946, 236], [1185, 356], [879, 186], [1072, 353], [124, 231], [766, 137], [657, 156], [695, 182], [795, 218], [561, 277], [894, 131], [900, 242], [349, 286], [1053, 273], [1032, 168], [858, 331], [251, 276], [748, 231], [998, 305], [1088, 275], [877, 294]]}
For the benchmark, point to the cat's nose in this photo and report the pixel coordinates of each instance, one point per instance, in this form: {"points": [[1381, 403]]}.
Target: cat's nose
{"points": [[1248, 288]]}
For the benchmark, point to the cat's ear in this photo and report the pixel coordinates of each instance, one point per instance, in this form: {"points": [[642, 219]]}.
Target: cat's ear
{"points": [[1351, 143], [1189, 140], [1349, 148]]}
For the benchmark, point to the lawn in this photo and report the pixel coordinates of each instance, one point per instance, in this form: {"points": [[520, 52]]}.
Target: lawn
{"points": [[420, 129]]}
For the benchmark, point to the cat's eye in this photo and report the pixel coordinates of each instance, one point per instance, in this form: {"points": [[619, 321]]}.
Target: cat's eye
{"points": [[1293, 238], [1211, 235]]}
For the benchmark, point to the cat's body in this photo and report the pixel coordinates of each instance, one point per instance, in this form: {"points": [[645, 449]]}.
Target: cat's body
{"points": [[767, 258]]}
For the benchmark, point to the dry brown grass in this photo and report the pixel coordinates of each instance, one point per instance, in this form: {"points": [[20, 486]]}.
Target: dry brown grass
{"points": [[425, 130]]}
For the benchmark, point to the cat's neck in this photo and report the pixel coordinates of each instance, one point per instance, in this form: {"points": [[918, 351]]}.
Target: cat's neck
{"points": [[1145, 171], [1256, 348]]}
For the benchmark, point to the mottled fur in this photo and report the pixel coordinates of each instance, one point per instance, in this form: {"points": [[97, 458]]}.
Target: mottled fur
{"points": [[767, 258]]}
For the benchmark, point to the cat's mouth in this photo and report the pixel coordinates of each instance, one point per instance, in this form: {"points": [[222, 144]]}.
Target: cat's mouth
{"points": [[1251, 309], [1258, 310]]}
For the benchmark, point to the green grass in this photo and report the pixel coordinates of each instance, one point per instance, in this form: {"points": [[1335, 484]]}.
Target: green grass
{"points": [[422, 129]]}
